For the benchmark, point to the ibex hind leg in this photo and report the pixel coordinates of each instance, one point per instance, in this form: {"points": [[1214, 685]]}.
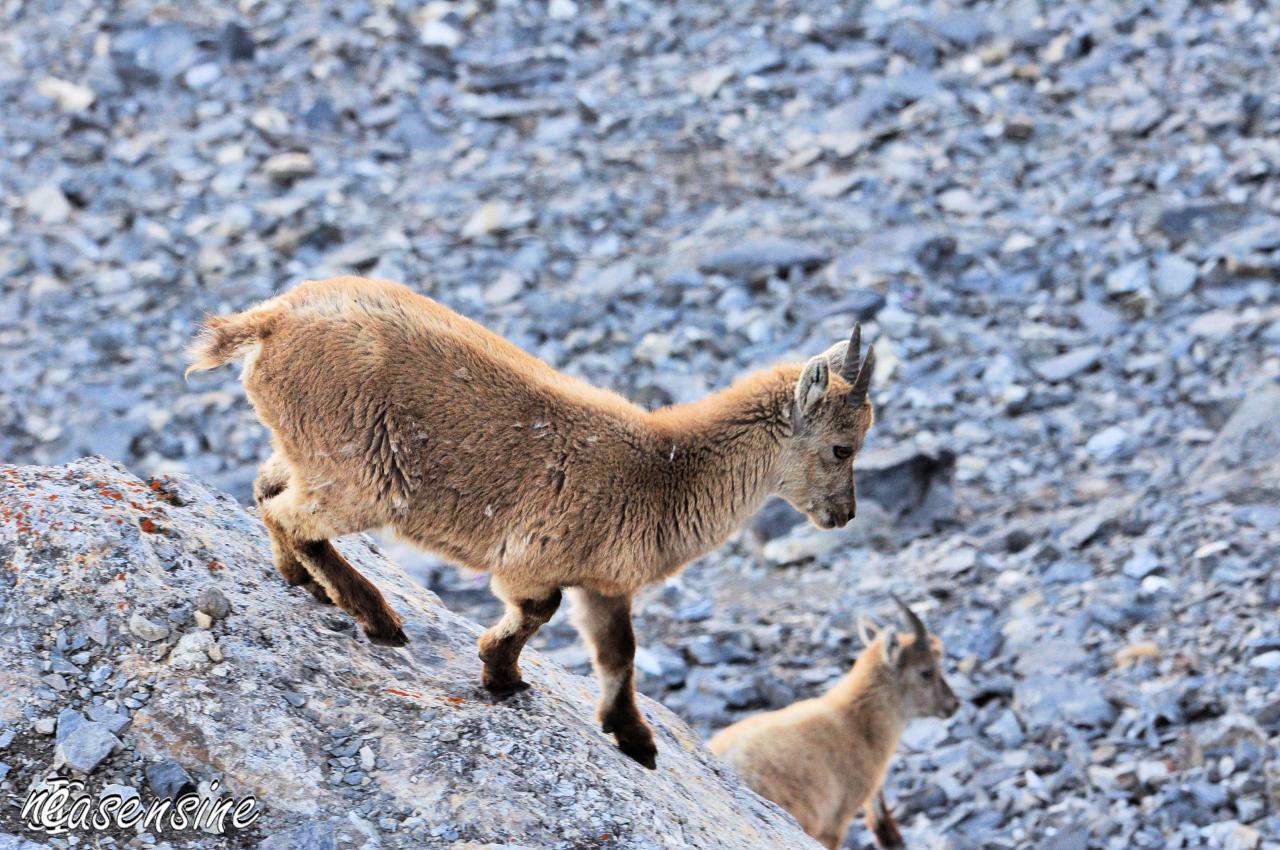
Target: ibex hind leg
{"points": [[354, 593], [273, 480], [527, 609], [306, 526]]}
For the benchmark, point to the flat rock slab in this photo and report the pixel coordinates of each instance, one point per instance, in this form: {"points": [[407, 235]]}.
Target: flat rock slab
{"points": [[1067, 366], [290, 688], [762, 256]]}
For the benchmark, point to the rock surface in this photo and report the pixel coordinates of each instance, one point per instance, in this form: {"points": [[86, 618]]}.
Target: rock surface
{"points": [[343, 743]]}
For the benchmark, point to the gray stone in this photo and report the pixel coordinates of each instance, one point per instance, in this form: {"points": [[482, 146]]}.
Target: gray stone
{"points": [[213, 602], [1130, 277], [915, 486], [202, 75], [1248, 444], [114, 720], [124, 792], [1107, 444], [235, 43], [1068, 571], [86, 746], [754, 257], [9, 841], [1068, 365], [1174, 276], [1044, 701], [47, 203], [310, 836], [1098, 320], [152, 53], [774, 520], [1141, 563], [167, 779], [287, 167], [147, 629], [68, 721], [1005, 730], [1068, 838]]}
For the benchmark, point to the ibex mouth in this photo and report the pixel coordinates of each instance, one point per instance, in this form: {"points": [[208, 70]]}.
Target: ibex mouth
{"points": [[828, 520]]}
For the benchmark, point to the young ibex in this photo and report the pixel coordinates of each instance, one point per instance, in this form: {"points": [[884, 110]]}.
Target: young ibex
{"points": [[824, 759], [387, 409]]}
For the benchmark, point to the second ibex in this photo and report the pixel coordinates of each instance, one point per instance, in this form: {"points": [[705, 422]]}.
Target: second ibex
{"points": [[387, 409]]}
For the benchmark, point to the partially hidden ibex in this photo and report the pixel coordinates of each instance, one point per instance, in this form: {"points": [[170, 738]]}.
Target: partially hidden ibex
{"points": [[824, 759], [387, 409]]}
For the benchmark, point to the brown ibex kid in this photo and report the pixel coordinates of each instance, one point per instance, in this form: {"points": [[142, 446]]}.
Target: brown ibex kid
{"points": [[387, 409], [824, 759]]}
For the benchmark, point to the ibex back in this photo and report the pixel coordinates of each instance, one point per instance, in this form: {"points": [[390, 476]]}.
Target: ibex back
{"points": [[387, 409]]}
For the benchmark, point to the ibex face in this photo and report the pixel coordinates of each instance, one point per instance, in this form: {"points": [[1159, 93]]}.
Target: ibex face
{"points": [[830, 419], [915, 663]]}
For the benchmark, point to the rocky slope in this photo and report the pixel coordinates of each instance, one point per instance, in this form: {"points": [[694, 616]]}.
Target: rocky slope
{"points": [[1059, 222], [147, 643]]}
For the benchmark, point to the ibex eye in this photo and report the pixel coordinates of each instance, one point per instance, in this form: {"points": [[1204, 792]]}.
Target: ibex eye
{"points": [[926, 673], [842, 452]]}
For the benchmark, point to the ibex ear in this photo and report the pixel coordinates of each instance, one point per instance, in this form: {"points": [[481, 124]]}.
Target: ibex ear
{"points": [[892, 648], [867, 631], [836, 355], [812, 385]]}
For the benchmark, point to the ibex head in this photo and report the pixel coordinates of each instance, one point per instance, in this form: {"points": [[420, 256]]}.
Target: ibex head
{"points": [[914, 664], [830, 416]]}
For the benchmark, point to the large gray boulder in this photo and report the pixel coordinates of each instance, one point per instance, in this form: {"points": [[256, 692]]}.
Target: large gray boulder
{"points": [[1242, 462], [346, 744]]}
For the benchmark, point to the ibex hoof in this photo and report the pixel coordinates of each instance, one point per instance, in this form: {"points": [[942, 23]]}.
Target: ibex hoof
{"points": [[504, 688], [889, 838], [884, 826], [394, 636], [645, 752], [317, 591]]}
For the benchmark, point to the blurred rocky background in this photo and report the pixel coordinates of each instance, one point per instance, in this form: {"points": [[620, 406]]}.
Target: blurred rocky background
{"points": [[1058, 221]]}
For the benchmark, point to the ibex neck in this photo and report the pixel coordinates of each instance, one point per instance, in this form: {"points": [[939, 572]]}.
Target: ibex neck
{"points": [[717, 458], [867, 701]]}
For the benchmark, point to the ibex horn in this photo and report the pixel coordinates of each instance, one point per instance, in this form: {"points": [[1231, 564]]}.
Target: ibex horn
{"points": [[858, 373], [917, 625], [849, 369]]}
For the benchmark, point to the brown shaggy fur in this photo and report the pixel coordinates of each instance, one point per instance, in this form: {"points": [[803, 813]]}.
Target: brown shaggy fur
{"points": [[387, 409], [824, 759]]}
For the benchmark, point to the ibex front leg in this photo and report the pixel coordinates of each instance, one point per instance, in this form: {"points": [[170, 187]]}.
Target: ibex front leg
{"points": [[500, 646], [879, 819], [605, 623]]}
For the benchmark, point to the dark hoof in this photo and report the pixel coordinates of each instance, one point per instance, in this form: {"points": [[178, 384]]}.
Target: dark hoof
{"points": [[889, 838], [644, 752], [395, 637], [502, 688], [318, 592]]}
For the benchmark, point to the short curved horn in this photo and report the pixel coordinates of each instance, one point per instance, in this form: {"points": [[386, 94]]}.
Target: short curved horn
{"points": [[917, 625], [849, 370], [862, 383], [858, 373]]}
